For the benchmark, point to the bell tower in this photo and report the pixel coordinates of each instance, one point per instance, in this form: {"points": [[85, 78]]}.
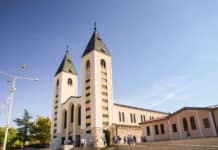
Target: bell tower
{"points": [[65, 86], [97, 89]]}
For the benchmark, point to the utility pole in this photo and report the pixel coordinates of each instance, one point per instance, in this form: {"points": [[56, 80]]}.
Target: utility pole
{"points": [[11, 97]]}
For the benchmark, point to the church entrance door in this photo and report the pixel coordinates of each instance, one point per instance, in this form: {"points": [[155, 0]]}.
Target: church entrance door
{"points": [[77, 142]]}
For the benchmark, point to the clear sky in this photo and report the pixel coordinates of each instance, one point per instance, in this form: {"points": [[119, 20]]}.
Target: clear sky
{"points": [[164, 53]]}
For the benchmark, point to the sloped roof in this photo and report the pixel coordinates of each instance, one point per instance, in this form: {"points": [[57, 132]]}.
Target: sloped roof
{"points": [[66, 65], [96, 43]]}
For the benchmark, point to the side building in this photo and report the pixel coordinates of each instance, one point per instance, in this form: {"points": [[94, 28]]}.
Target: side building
{"points": [[188, 122]]}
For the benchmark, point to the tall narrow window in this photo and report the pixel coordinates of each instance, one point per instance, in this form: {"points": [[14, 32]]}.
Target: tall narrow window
{"points": [[141, 118], [144, 118], [123, 116], [70, 82], [87, 69], [65, 119], [162, 128], [57, 87], [193, 125], [174, 127], [156, 129], [131, 118], [87, 65], [72, 113], [206, 123], [148, 131], [134, 118], [103, 63], [79, 115], [120, 116], [185, 124]]}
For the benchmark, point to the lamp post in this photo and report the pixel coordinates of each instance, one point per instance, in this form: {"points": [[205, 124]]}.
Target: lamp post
{"points": [[12, 91]]}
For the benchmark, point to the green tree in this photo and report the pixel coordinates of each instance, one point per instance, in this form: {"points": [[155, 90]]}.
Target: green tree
{"points": [[41, 130], [12, 140], [107, 137], [24, 125]]}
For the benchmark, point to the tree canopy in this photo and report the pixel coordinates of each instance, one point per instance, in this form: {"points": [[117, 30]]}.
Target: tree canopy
{"points": [[41, 129], [24, 125]]}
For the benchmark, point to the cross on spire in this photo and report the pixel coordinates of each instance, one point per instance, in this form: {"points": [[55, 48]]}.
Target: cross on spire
{"points": [[67, 48], [95, 26]]}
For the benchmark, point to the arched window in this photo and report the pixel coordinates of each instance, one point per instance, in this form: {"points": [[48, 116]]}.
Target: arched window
{"points": [[156, 129], [148, 131], [185, 124], [193, 125], [57, 82], [70, 82], [72, 113], [87, 65], [57, 87], [87, 69], [65, 119], [103, 63], [79, 115]]}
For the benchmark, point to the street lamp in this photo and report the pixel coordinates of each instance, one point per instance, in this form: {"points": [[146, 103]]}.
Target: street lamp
{"points": [[12, 91]]}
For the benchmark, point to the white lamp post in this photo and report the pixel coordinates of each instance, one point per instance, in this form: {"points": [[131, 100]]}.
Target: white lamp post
{"points": [[12, 91]]}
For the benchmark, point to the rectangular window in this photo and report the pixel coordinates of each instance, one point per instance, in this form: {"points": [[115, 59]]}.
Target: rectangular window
{"points": [[206, 123], [141, 118], [193, 125], [105, 100], [104, 86], [134, 118], [88, 131], [103, 79], [148, 131], [104, 93], [156, 129], [87, 80], [88, 124], [88, 101], [88, 109], [87, 117], [104, 107], [162, 128], [144, 118], [123, 116], [87, 94], [131, 118], [105, 123], [105, 115], [174, 127], [119, 116], [185, 124], [88, 87]]}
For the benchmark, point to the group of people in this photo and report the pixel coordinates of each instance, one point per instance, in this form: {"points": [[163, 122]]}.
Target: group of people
{"points": [[129, 139]]}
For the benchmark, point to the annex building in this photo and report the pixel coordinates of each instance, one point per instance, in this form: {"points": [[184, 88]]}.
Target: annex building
{"points": [[88, 115]]}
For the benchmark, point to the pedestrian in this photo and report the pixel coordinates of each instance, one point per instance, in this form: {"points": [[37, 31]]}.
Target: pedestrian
{"points": [[124, 139]]}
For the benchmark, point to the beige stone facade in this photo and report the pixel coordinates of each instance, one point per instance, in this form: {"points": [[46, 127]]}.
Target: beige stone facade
{"points": [[87, 116], [188, 122]]}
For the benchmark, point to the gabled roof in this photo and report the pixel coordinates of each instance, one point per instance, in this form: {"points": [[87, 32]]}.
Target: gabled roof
{"points": [[139, 108], [96, 43], [66, 65], [178, 111]]}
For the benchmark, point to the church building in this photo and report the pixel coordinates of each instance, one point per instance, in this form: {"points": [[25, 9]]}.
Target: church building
{"points": [[87, 116]]}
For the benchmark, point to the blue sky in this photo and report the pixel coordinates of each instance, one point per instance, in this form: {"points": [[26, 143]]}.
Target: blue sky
{"points": [[164, 52]]}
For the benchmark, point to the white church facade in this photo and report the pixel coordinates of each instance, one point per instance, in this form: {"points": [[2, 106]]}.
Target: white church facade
{"points": [[88, 115]]}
